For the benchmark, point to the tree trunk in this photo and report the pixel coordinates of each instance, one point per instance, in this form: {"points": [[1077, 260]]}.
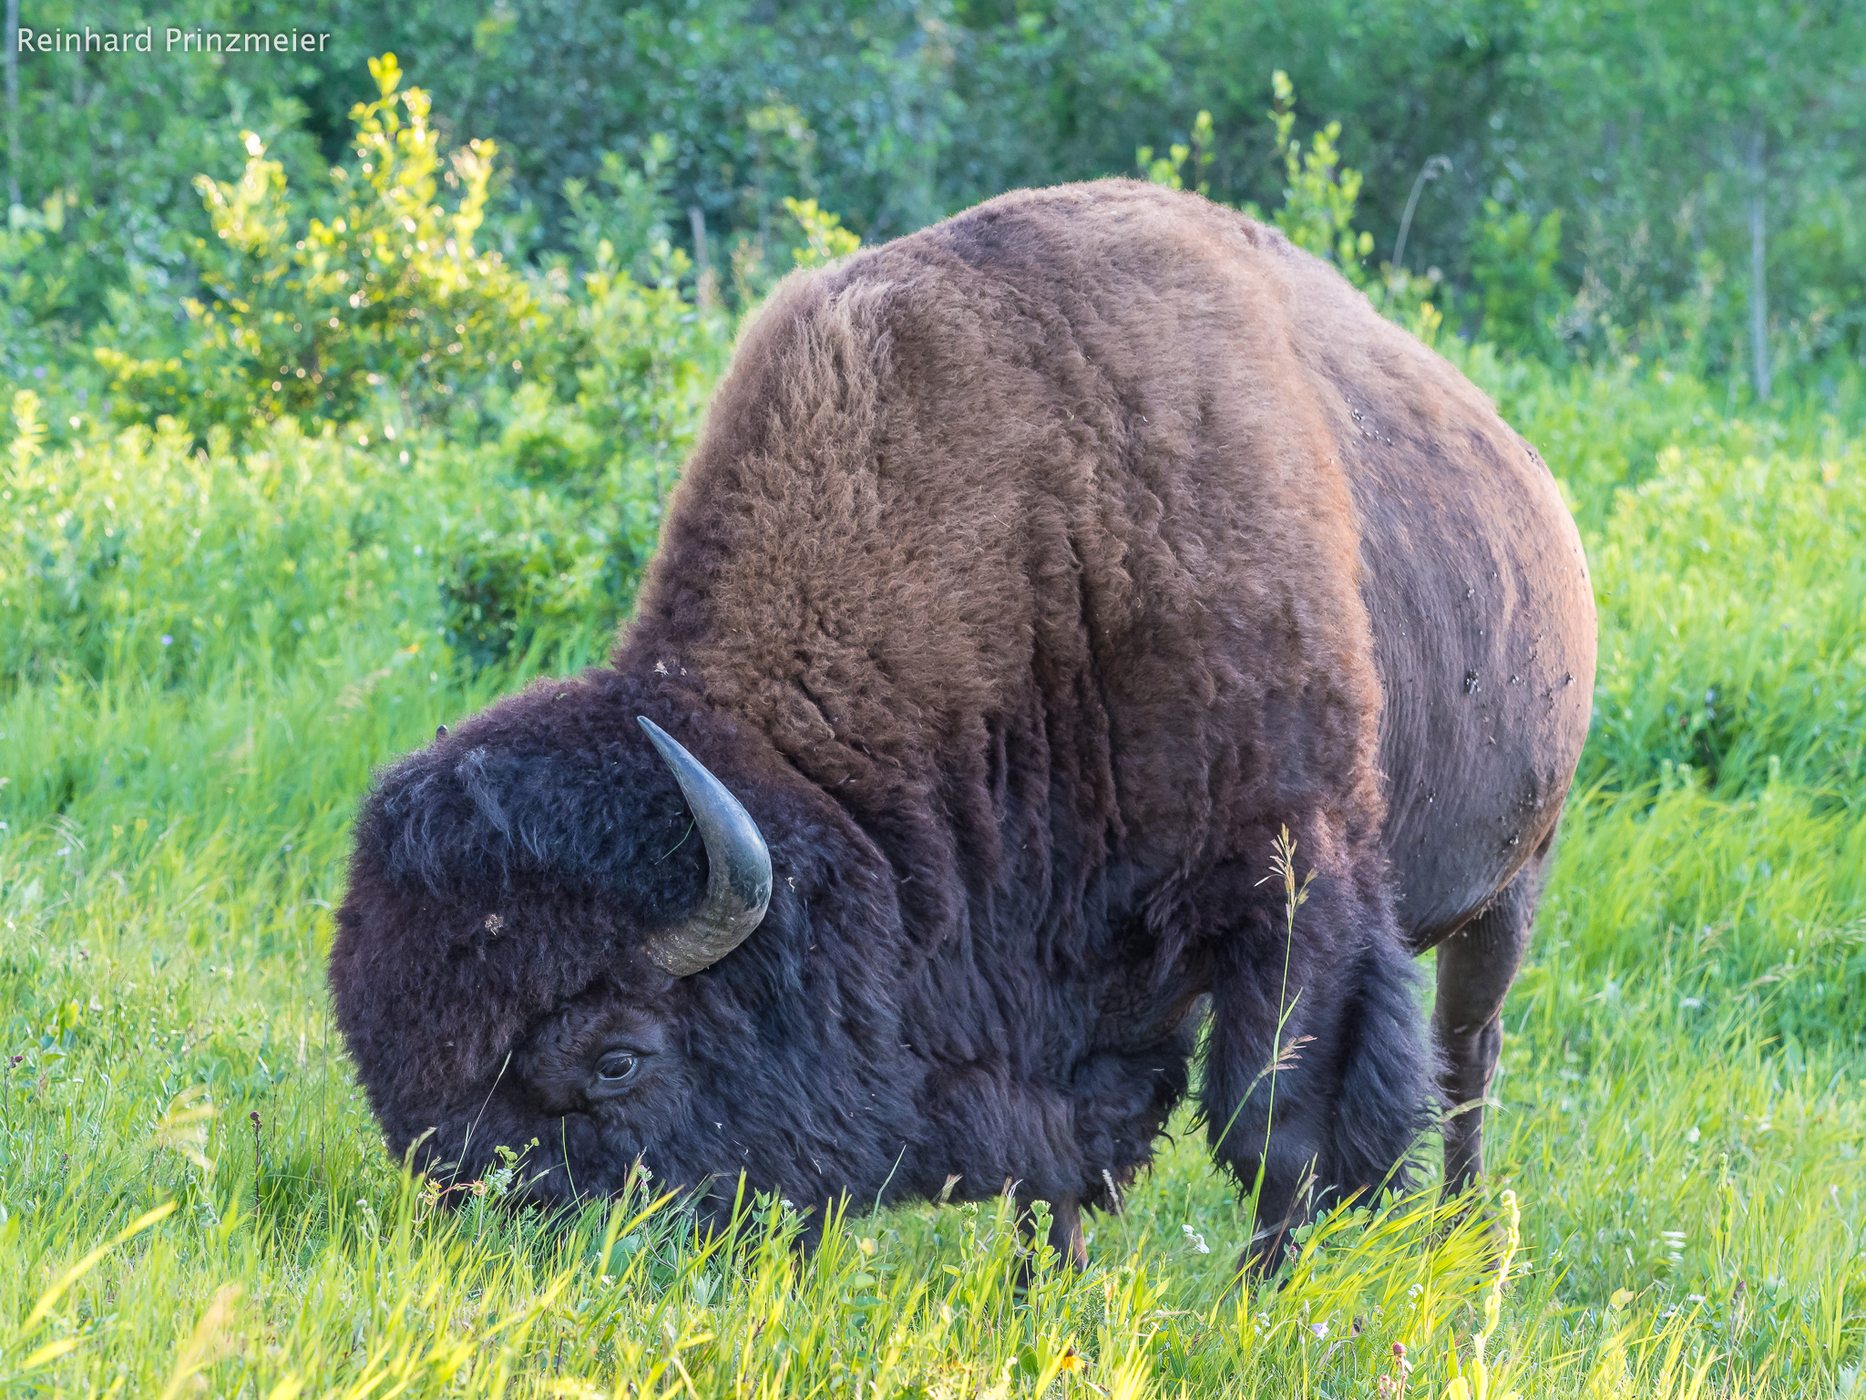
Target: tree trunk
{"points": [[1428, 172], [12, 102], [705, 287], [1758, 268]]}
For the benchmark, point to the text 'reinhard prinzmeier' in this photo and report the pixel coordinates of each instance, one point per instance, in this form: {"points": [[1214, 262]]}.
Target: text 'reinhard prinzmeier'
{"points": [[171, 39]]}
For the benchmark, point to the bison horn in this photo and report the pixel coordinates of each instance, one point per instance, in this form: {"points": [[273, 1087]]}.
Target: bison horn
{"points": [[738, 867]]}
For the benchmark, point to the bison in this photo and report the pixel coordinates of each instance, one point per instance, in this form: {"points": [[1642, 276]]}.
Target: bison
{"points": [[1031, 575]]}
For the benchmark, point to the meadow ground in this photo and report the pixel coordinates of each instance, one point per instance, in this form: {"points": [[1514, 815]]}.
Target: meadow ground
{"points": [[193, 1198]]}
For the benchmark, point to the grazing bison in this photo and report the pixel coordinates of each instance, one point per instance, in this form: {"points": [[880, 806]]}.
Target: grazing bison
{"points": [[1031, 574]]}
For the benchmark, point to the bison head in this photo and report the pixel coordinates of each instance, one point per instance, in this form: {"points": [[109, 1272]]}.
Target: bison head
{"points": [[566, 935]]}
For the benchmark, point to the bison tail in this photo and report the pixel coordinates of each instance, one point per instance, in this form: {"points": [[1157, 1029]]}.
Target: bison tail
{"points": [[1385, 1098]]}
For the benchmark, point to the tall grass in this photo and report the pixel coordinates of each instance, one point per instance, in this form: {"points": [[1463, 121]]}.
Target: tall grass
{"points": [[193, 1199]]}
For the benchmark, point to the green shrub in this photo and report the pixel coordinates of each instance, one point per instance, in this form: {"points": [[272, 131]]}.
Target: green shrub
{"points": [[138, 553], [144, 554], [1319, 191], [1733, 621], [587, 448], [629, 360], [531, 570], [39, 270], [1193, 157], [1513, 258], [824, 237], [628, 207], [551, 406], [381, 297]]}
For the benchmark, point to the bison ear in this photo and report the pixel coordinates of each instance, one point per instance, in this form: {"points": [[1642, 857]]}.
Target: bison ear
{"points": [[738, 867]]}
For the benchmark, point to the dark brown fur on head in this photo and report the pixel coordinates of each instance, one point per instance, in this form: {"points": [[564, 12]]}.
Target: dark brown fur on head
{"points": [[1032, 573]]}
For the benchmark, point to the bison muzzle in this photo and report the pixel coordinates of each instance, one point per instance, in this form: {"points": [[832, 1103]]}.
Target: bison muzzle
{"points": [[1033, 573]]}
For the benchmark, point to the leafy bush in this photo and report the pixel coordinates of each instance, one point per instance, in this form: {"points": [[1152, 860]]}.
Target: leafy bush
{"points": [[227, 533], [138, 554], [1193, 157], [384, 297], [629, 356], [588, 447], [627, 207], [1319, 191], [1513, 259], [144, 554], [567, 394], [39, 268], [824, 237], [1733, 621], [529, 569]]}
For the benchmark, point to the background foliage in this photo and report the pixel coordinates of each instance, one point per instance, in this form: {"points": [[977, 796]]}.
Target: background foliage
{"points": [[1606, 160], [334, 407]]}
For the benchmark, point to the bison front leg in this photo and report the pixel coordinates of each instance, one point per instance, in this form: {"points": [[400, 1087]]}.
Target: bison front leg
{"points": [[1317, 1078], [1065, 1234]]}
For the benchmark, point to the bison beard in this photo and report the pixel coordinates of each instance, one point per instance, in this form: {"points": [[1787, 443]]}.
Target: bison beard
{"points": [[1031, 574]]}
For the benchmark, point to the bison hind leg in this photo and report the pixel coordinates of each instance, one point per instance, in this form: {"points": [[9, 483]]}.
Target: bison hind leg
{"points": [[1476, 966]]}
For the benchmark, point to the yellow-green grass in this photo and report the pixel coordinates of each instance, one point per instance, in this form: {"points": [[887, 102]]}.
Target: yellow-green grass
{"points": [[193, 1199]]}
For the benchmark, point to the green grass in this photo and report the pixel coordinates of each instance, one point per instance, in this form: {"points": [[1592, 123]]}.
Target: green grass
{"points": [[193, 1198]]}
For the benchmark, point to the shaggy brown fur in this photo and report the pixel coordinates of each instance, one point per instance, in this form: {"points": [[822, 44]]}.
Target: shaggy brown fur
{"points": [[1032, 573]]}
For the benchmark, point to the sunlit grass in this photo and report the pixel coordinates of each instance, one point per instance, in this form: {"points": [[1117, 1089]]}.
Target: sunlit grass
{"points": [[193, 1199]]}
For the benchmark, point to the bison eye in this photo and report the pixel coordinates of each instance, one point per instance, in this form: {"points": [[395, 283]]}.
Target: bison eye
{"points": [[615, 1069]]}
